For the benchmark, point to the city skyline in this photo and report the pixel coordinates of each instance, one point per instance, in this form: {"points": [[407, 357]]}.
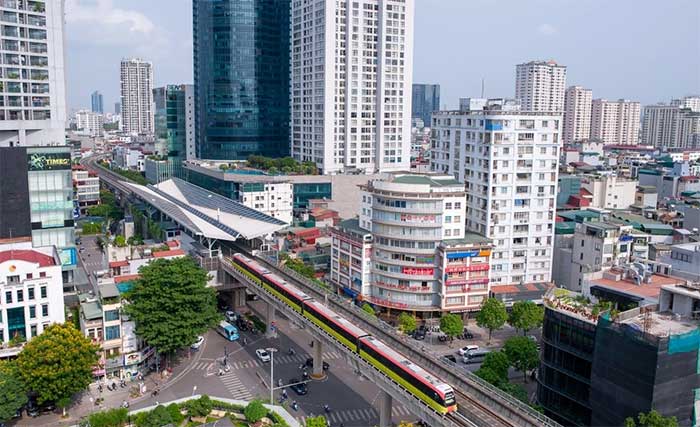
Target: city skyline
{"points": [[94, 51]]}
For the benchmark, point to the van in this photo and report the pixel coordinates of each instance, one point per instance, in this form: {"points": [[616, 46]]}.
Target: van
{"points": [[476, 356]]}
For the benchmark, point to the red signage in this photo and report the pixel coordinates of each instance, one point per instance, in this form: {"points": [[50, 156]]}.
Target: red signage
{"points": [[415, 271], [478, 267], [456, 268]]}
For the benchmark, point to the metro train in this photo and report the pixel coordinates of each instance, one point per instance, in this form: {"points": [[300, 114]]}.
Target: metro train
{"points": [[431, 390]]}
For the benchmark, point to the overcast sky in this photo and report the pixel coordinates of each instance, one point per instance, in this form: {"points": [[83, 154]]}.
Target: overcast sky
{"points": [[645, 50]]}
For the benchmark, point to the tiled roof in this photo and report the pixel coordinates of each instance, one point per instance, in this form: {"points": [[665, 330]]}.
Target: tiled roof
{"points": [[163, 254], [27, 255], [113, 264], [126, 278]]}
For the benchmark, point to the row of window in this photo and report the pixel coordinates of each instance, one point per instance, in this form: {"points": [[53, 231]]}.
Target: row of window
{"points": [[19, 293]]}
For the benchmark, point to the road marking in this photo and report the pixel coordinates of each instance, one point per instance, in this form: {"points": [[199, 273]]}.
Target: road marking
{"points": [[234, 385]]}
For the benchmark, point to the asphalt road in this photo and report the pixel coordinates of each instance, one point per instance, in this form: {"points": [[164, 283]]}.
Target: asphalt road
{"points": [[90, 257]]}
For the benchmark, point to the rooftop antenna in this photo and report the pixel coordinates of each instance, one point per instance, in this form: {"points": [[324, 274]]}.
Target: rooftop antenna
{"points": [[482, 87]]}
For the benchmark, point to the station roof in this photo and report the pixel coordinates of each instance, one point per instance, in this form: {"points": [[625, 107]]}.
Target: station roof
{"points": [[206, 213]]}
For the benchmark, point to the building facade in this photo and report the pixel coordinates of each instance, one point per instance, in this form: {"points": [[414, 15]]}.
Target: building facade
{"points": [[89, 123], [174, 125], [351, 254], [610, 191], [136, 96], [97, 102], [508, 160], [425, 98], [87, 189], [670, 126], [32, 88], [577, 114], [539, 85], [241, 78], [615, 122], [690, 102], [351, 78]]}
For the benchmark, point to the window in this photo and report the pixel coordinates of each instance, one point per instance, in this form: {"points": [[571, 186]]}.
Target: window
{"points": [[112, 332], [448, 205], [111, 315], [20, 295], [29, 276], [13, 280], [43, 291], [30, 294], [33, 331], [42, 274], [8, 297], [44, 310], [458, 205], [32, 312]]}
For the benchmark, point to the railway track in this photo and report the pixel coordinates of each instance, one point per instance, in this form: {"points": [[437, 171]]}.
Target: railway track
{"points": [[477, 410]]}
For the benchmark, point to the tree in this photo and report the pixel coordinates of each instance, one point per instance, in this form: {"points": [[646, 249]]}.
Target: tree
{"points": [[110, 418], [515, 390], [451, 325], [526, 315], [407, 323], [102, 210], [63, 403], [319, 421], [522, 354], [492, 316], [498, 362], [58, 363], [368, 309], [12, 392], [158, 417], [199, 407], [651, 419], [120, 241], [255, 411], [176, 416], [171, 304], [489, 375]]}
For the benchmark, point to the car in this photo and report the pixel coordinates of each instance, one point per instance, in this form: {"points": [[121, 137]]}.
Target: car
{"points": [[298, 387], [263, 355], [466, 349], [231, 316], [310, 363], [197, 344], [419, 334], [450, 358]]}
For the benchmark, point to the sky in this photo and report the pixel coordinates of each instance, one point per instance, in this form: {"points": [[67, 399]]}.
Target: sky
{"points": [[644, 50]]}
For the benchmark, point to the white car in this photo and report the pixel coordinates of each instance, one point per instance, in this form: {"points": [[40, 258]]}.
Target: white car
{"points": [[466, 349], [263, 355], [198, 343], [231, 316]]}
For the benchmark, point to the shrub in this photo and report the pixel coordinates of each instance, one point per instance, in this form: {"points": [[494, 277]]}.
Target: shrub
{"points": [[199, 407], [109, 418], [255, 411]]}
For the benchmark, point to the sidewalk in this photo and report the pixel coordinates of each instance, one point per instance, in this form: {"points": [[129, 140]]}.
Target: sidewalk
{"points": [[84, 404]]}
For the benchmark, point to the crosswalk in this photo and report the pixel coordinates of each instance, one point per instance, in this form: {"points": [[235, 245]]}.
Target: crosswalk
{"points": [[234, 386], [251, 363], [360, 417], [203, 366]]}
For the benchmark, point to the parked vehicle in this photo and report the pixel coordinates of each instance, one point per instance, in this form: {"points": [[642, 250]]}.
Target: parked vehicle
{"points": [[231, 316], [227, 331], [467, 335], [466, 349], [475, 356], [197, 344], [419, 334], [298, 387], [450, 358]]}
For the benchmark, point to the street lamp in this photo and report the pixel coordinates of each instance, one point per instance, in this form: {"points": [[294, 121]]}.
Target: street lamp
{"points": [[272, 371]]}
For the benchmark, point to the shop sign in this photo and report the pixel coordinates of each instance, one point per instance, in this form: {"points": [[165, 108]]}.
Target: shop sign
{"points": [[68, 256], [48, 161], [465, 254], [456, 268], [414, 271], [478, 267], [132, 358]]}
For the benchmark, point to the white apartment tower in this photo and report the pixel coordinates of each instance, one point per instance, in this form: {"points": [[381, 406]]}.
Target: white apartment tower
{"points": [[137, 96], [32, 82], [615, 122], [577, 114], [692, 102], [539, 85], [351, 76], [89, 123], [508, 160], [670, 126]]}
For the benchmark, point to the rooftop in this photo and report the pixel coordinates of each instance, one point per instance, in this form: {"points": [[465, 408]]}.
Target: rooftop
{"points": [[615, 279], [573, 304], [470, 238], [108, 290], [91, 310], [352, 226], [431, 180], [27, 255], [660, 324], [579, 215]]}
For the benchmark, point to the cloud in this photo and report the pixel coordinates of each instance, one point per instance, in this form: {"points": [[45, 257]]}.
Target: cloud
{"points": [[547, 29]]}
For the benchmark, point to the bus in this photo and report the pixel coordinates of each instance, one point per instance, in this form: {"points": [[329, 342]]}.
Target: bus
{"points": [[476, 356], [227, 330]]}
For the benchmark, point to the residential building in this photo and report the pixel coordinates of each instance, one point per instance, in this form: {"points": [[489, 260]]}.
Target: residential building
{"points": [[508, 160], [97, 102], [670, 126], [241, 78], [126, 157], [609, 191], [31, 293], [89, 123], [118, 108], [425, 98], [351, 254], [350, 104], [421, 257], [539, 85], [615, 122], [33, 88], [473, 104], [684, 260], [690, 102], [577, 114], [137, 96], [646, 197], [86, 185]]}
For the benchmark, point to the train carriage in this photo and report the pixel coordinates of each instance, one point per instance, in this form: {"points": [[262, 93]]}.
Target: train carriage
{"points": [[340, 328]]}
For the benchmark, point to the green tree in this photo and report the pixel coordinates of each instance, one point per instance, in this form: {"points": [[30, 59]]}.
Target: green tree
{"points": [[91, 228], [492, 316], [368, 309], [102, 210], [12, 392], [58, 363], [489, 375], [120, 241], [110, 418], [199, 407], [651, 419], [158, 417], [255, 411], [407, 323], [498, 362], [515, 390], [451, 325], [522, 354], [319, 421], [176, 416], [526, 315], [135, 240], [171, 303]]}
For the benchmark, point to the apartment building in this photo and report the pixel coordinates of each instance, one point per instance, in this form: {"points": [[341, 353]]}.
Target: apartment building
{"points": [[508, 160], [136, 96], [89, 123], [615, 122], [609, 191], [690, 102], [351, 75], [539, 85], [86, 186], [670, 126], [97, 102], [577, 114], [351, 253]]}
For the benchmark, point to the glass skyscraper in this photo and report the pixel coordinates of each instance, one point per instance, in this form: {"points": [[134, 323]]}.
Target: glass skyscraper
{"points": [[425, 100], [241, 78]]}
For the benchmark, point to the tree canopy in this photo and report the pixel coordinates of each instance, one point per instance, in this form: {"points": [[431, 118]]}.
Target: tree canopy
{"points": [[498, 362], [407, 322], [522, 354], [255, 411], [12, 393], [319, 421], [58, 363], [199, 407], [368, 309], [492, 315], [171, 303], [651, 419], [526, 315], [451, 325]]}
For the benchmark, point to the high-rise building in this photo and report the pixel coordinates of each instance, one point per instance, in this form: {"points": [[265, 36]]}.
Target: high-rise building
{"points": [[352, 65], [425, 98], [615, 122], [670, 126], [137, 96], [32, 87], [89, 123], [577, 114], [508, 160], [539, 85], [97, 102], [691, 102], [117, 108], [241, 78]]}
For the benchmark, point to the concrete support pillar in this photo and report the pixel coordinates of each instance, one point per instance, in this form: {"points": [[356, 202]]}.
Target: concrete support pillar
{"points": [[385, 402], [238, 297], [271, 330], [318, 373]]}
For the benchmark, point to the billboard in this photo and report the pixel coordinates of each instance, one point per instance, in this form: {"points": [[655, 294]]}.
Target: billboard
{"points": [[48, 161]]}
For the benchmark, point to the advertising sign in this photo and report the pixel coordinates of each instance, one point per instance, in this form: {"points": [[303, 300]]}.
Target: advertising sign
{"points": [[417, 271], [48, 161], [69, 257], [466, 254]]}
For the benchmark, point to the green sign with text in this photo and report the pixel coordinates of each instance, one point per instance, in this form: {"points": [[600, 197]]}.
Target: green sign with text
{"points": [[49, 161]]}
